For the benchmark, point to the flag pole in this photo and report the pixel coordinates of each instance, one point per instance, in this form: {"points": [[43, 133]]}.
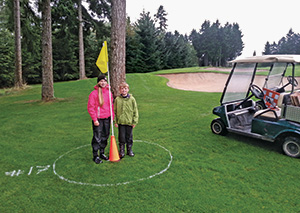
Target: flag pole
{"points": [[113, 150], [102, 64], [110, 103]]}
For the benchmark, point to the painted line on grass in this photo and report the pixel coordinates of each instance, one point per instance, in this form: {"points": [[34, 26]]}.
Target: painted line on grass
{"points": [[116, 184]]}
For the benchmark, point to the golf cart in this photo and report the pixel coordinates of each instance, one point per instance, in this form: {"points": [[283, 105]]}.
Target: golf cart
{"points": [[270, 111]]}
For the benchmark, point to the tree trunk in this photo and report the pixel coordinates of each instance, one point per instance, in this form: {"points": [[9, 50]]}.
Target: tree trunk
{"points": [[118, 35], [47, 66], [18, 50], [81, 45]]}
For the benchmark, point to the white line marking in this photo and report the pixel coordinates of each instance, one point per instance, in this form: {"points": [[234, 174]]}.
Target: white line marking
{"points": [[30, 170], [116, 184], [42, 168]]}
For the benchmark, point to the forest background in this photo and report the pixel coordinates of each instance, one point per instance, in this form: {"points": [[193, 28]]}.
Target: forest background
{"points": [[149, 44]]}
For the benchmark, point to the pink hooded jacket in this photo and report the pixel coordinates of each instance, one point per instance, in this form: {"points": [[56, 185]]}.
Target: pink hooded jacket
{"points": [[93, 105]]}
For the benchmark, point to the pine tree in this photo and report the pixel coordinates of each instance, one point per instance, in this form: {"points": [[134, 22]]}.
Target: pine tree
{"points": [[147, 36], [160, 18]]}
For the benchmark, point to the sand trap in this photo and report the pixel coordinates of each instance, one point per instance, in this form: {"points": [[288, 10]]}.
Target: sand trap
{"points": [[204, 81]]}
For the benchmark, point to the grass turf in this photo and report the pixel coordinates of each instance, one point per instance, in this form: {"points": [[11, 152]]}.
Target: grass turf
{"points": [[208, 173]]}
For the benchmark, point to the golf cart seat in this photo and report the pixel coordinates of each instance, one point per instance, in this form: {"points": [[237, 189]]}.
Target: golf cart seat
{"points": [[284, 99], [274, 112], [268, 114]]}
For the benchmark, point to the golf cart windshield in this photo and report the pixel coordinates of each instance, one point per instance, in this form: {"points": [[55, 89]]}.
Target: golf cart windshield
{"points": [[275, 76], [238, 83]]}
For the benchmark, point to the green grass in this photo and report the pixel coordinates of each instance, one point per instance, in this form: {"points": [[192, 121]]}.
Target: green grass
{"points": [[208, 173]]}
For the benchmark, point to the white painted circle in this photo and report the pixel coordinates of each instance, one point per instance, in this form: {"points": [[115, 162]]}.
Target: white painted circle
{"points": [[115, 184]]}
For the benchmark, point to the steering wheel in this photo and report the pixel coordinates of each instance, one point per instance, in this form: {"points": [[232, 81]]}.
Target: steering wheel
{"points": [[292, 81], [256, 91]]}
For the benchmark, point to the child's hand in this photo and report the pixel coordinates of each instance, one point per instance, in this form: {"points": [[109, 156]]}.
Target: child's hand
{"points": [[133, 126], [96, 123], [116, 125]]}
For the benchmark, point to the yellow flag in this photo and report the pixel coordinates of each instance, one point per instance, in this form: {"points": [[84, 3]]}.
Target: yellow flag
{"points": [[103, 59]]}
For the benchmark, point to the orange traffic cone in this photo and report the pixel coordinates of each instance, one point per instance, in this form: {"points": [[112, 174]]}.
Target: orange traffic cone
{"points": [[113, 152]]}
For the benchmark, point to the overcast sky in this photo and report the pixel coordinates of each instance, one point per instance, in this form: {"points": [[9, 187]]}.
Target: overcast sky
{"points": [[259, 20]]}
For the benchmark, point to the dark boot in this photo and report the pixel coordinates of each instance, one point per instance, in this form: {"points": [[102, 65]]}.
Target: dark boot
{"points": [[97, 160], [122, 150], [129, 150], [102, 156]]}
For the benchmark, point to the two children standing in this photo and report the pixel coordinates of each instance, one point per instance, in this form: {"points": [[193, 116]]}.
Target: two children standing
{"points": [[124, 112]]}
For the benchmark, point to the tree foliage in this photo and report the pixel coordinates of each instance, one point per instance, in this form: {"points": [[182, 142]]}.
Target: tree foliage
{"points": [[149, 47], [149, 44], [290, 44], [7, 65], [6, 51], [216, 44], [64, 34]]}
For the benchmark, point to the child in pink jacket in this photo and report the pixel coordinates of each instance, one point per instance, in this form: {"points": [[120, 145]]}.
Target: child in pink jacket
{"points": [[99, 109]]}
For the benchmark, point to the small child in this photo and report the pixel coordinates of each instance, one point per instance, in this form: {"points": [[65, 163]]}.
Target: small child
{"points": [[126, 118]]}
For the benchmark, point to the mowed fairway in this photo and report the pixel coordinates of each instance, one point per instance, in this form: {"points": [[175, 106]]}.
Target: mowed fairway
{"points": [[180, 166]]}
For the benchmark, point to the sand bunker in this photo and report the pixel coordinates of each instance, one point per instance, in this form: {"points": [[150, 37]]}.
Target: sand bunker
{"points": [[204, 81]]}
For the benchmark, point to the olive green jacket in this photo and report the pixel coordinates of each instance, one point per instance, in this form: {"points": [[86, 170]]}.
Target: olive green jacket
{"points": [[126, 111]]}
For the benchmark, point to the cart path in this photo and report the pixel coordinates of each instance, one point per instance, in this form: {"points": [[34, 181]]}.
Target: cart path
{"points": [[204, 81]]}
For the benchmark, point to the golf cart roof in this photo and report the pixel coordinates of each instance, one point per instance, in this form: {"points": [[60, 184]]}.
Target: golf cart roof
{"points": [[269, 59]]}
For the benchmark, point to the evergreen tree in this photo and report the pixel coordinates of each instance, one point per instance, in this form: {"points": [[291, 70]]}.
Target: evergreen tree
{"points": [[287, 45], [274, 48], [189, 53], [6, 50], [65, 40], [215, 45], [147, 36], [233, 44], [267, 50], [204, 42], [30, 42], [290, 44], [7, 58], [133, 49], [160, 18], [177, 51], [195, 39]]}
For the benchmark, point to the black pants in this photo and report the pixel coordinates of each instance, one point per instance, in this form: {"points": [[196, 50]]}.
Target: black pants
{"points": [[100, 135], [125, 134]]}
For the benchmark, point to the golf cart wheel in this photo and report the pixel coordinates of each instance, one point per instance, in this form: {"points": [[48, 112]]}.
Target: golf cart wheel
{"points": [[291, 147], [217, 127]]}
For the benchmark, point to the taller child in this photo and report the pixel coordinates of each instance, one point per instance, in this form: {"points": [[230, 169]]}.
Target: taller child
{"points": [[99, 109]]}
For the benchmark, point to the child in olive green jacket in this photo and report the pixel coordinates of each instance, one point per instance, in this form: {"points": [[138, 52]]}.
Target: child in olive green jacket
{"points": [[126, 118]]}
